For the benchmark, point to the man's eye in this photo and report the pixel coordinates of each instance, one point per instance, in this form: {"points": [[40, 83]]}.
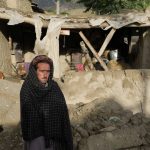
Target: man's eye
{"points": [[45, 71]]}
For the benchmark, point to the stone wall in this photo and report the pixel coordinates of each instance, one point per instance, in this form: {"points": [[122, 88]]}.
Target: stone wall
{"points": [[129, 88]]}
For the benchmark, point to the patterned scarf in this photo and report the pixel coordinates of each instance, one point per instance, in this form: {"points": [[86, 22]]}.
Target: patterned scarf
{"points": [[44, 111]]}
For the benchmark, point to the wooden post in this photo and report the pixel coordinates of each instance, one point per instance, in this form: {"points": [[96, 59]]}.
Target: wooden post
{"points": [[87, 56], [129, 44], [10, 43], [106, 42], [93, 51], [5, 55], [57, 7]]}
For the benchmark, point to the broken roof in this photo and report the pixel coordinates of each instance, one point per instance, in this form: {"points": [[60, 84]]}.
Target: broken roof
{"points": [[105, 22]]}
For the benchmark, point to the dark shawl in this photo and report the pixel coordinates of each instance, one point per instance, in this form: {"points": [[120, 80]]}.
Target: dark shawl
{"points": [[44, 111]]}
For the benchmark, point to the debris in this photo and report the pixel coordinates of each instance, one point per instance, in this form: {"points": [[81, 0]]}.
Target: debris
{"points": [[1, 128], [2, 75]]}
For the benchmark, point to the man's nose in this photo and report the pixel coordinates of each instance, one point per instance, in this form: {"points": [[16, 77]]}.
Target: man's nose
{"points": [[45, 74]]}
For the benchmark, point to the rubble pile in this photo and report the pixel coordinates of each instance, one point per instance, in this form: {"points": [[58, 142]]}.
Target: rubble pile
{"points": [[107, 110], [107, 126]]}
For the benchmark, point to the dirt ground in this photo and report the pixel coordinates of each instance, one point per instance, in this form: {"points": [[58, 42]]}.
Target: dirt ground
{"points": [[108, 110]]}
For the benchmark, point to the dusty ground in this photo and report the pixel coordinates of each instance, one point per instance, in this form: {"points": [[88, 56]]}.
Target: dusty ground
{"points": [[106, 110]]}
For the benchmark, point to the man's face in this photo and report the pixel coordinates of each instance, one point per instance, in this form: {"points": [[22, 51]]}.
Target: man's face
{"points": [[43, 72]]}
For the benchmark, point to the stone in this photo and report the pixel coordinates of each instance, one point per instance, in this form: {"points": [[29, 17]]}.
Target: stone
{"points": [[117, 139]]}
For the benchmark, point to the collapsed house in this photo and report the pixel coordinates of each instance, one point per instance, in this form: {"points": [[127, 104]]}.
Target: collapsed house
{"points": [[78, 43], [104, 117]]}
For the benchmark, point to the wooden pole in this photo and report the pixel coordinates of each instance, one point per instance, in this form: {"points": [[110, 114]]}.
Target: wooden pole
{"points": [[106, 42], [93, 51], [5, 55], [10, 42], [87, 56], [57, 7], [129, 44]]}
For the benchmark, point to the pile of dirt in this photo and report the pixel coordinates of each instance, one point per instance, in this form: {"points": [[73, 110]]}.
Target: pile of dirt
{"points": [[108, 110], [96, 125], [117, 65], [108, 126], [10, 135], [126, 87]]}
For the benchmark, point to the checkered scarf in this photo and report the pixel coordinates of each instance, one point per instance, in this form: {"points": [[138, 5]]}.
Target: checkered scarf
{"points": [[44, 111]]}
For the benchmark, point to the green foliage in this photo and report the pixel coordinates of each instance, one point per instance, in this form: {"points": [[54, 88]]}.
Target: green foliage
{"points": [[113, 6], [138, 4]]}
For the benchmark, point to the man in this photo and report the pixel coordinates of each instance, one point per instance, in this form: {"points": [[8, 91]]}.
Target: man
{"points": [[44, 115]]}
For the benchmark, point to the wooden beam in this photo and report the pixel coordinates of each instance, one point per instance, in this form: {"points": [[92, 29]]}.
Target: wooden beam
{"points": [[129, 44], [26, 19], [106, 42], [93, 51], [66, 25], [87, 56], [5, 55], [10, 42]]}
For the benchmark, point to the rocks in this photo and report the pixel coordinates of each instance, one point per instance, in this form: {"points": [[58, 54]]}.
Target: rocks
{"points": [[10, 138], [137, 119], [1, 75], [117, 139], [104, 108], [1, 128], [97, 127], [82, 132]]}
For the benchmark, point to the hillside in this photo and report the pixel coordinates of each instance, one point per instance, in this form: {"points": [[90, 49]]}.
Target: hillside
{"points": [[50, 4]]}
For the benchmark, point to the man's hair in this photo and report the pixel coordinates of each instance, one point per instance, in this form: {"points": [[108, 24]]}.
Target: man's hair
{"points": [[41, 59]]}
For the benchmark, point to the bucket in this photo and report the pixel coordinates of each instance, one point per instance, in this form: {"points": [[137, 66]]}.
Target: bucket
{"points": [[76, 58], [113, 54]]}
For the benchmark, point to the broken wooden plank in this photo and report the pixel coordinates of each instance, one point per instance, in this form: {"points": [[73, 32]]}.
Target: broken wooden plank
{"points": [[87, 56], [10, 42], [93, 51], [106, 42]]}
